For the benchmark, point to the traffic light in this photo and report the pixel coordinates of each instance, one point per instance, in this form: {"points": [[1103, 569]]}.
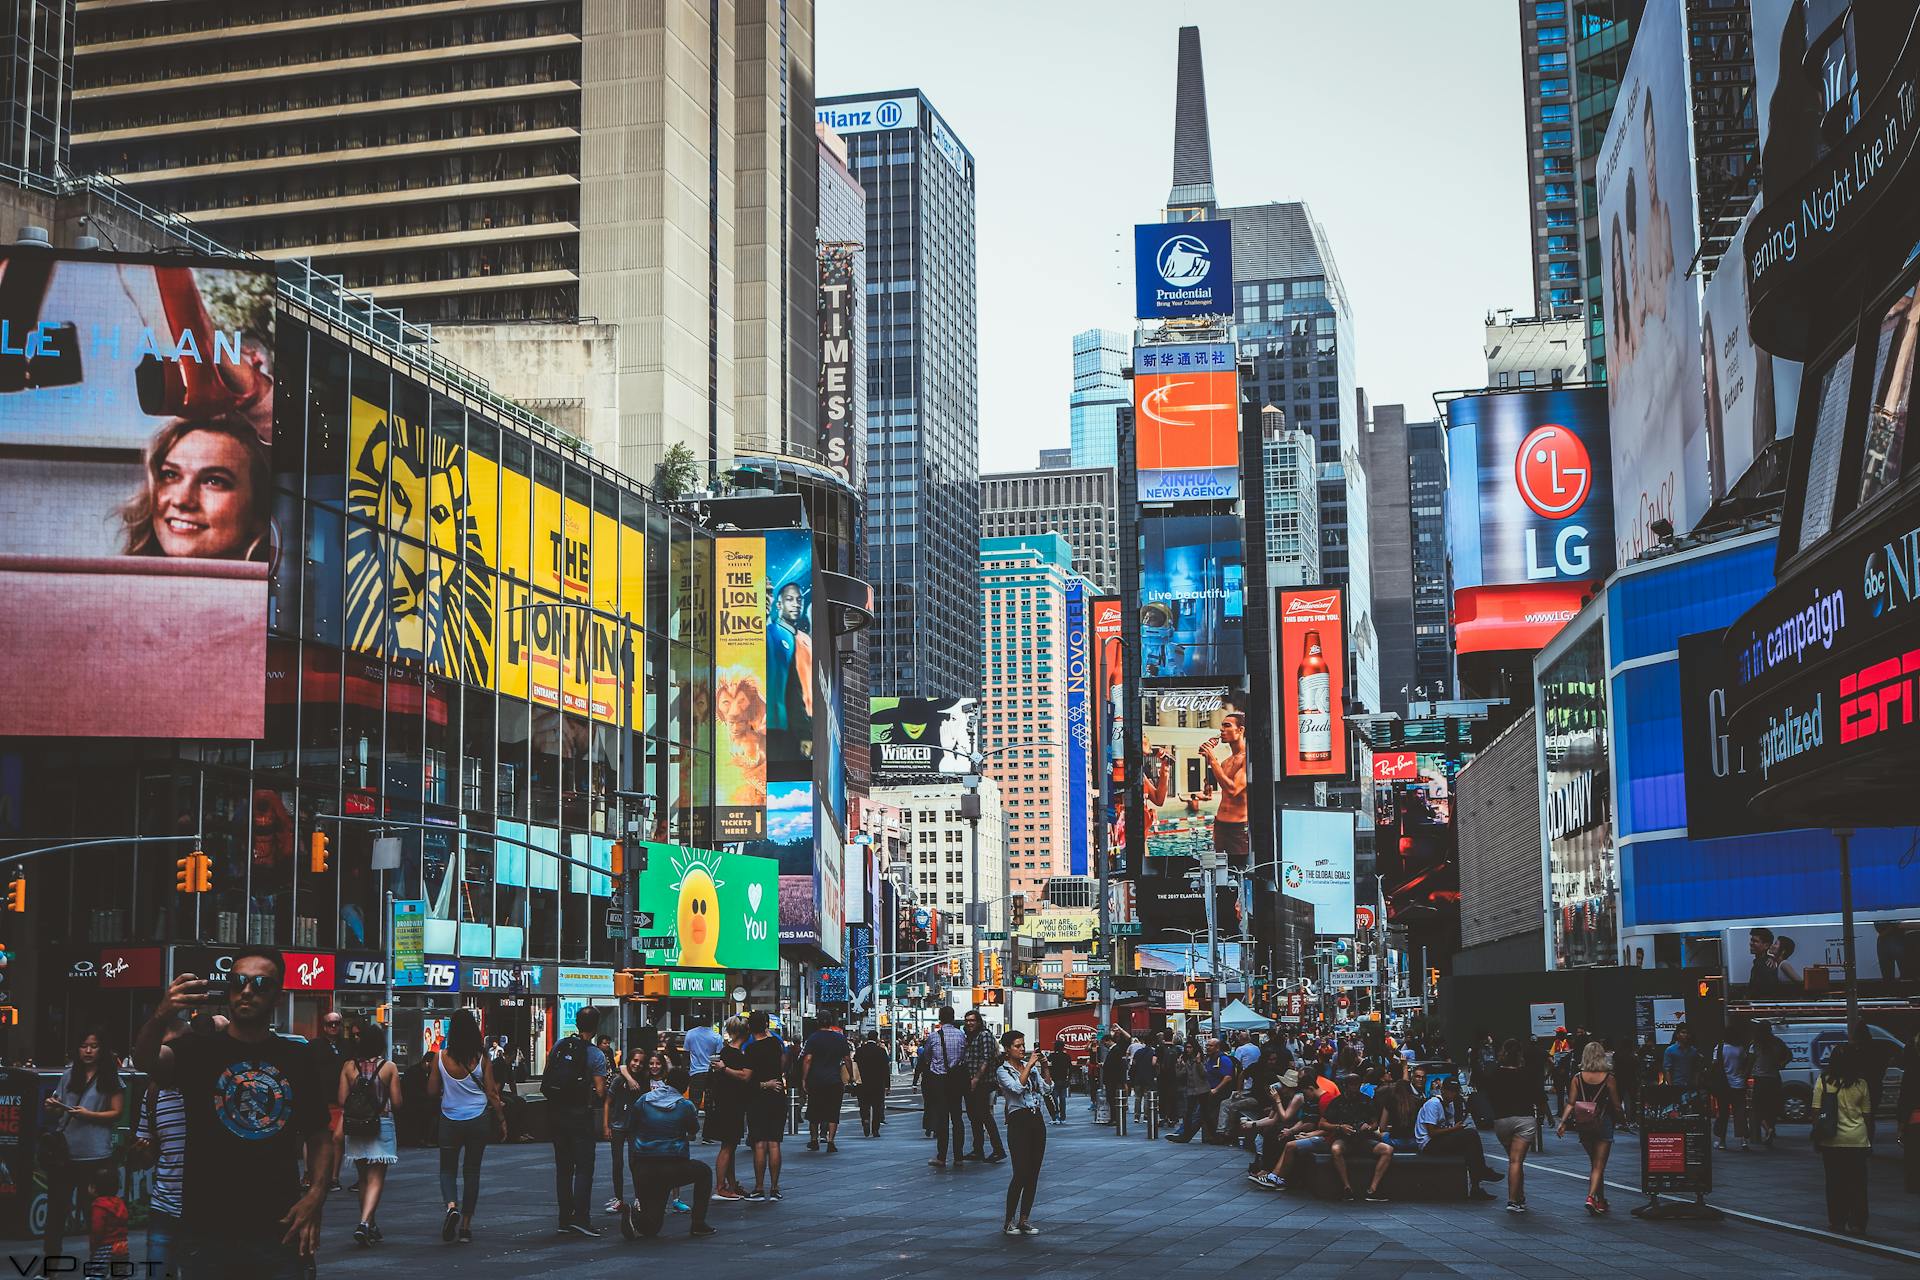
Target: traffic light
{"points": [[622, 980], [1073, 988], [655, 986], [318, 847], [184, 868], [1713, 989], [617, 860], [1342, 953], [953, 968], [202, 872], [997, 978], [1019, 909], [1433, 982], [381, 1014], [17, 893], [9, 1016], [979, 995]]}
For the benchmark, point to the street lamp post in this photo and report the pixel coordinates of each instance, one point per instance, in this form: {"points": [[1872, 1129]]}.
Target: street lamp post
{"points": [[970, 809]]}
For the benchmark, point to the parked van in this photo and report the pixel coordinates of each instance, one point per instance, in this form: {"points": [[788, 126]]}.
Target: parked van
{"points": [[1810, 1044]]}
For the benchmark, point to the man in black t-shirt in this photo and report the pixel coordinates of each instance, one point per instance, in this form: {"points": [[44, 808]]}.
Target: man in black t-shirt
{"points": [[766, 1104], [330, 1055], [255, 1104], [727, 1086]]}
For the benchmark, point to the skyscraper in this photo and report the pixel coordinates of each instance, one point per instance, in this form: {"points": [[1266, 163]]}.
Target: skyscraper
{"points": [[36, 84], [488, 164], [1296, 327], [1023, 727], [1573, 53], [1407, 488], [1292, 502], [1099, 395], [1080, 503], [923, 429]]}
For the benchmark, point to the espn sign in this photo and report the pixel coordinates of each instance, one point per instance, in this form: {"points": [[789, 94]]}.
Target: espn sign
{"points": [[1880, 698]]}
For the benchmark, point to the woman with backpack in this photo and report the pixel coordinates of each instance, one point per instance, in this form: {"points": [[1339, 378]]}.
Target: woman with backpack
{"points": [[1843, 1130], [460, 1080], [1593, 1104], [369, 1090]]}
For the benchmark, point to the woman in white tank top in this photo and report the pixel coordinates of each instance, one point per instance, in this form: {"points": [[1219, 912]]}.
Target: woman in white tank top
{"points": [[462, 1081]]}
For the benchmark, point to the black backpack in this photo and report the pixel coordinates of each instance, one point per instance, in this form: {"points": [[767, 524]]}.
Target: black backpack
{"points": [[566, 1080], [360, 1114]]}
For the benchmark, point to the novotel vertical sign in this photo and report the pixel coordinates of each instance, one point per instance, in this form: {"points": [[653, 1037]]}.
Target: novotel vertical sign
{"points": [[1079, 729]]}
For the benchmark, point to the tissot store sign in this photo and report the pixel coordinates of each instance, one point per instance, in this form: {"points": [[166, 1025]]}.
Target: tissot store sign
{"points": [[1824, 676]]}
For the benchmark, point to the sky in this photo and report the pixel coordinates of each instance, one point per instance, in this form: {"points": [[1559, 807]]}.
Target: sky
{"points": [[1399, 122]]}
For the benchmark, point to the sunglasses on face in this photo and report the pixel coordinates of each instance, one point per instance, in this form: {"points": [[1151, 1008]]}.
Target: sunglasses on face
{"points": [[261, 982]]}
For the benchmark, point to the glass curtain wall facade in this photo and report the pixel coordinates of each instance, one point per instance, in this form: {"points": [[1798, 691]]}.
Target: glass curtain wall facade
{"points": [[923, 428], [449, 622], [1432, 574], [1099, 394]]}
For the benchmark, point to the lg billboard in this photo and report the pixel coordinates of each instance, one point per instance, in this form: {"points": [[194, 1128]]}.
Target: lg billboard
{"points": [[1530, 512]]}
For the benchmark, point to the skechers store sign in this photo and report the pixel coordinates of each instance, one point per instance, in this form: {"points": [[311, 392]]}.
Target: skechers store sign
{"points": [[1825, 672]]}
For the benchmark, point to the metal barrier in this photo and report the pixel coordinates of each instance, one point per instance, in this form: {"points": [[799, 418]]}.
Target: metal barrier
{"points": [[1153, 1117], [1120, 1115]]}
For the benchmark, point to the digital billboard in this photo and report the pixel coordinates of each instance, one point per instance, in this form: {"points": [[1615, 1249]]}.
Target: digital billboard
{"points": [[1193, 776], [1583, 867], [1109, 682], [740, 687], [1648, 237], [137, 415], [920, 739], [1192, 597], [791, 681], [1749, 394], [1311, 679], [721, 908], [1182, 269], [1187, 422], [1316, 865], [1079, 729], [1529, 493]]}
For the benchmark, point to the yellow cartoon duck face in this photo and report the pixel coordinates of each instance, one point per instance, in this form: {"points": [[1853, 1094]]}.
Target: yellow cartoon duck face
{"points": [[699, 916]]}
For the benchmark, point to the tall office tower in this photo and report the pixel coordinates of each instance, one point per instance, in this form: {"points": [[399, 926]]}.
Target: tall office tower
{"points": [[36, 84], [1100, 394], [1023, 726], [923, 425], [1293, 502], [1078, 503], [1573, 53], [1390, 515], [1296, 328], [1535, 351], [650, 167], [1432, 570]]}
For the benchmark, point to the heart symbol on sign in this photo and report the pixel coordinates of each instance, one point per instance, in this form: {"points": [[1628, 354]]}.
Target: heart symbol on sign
{"points": [[753, 898]]}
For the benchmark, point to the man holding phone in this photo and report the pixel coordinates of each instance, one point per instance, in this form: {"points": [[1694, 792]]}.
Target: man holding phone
{"points": [[254, 1104]]}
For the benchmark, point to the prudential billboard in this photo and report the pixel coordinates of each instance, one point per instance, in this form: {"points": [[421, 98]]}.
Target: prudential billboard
{"points": [[1182, 269]]}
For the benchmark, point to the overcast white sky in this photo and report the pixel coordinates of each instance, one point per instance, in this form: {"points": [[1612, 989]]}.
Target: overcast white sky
{"points": [[1399, 122]]}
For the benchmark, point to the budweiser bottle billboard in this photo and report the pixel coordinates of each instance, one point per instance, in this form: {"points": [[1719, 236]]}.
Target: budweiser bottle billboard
{"points": [[1315, 701]]}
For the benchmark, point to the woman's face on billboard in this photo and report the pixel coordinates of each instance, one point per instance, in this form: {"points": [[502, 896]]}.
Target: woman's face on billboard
{"points": [[202, 506]]}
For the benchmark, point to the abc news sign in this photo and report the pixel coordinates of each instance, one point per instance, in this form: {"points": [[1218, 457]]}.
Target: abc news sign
{"points": [[1821, 675], [1541, 495]]}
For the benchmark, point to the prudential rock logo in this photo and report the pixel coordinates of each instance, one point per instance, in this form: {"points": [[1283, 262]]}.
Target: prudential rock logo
{"points": [[1183, 261]]}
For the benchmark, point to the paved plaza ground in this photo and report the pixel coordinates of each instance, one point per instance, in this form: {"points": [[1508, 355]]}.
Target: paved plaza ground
{"points": [[1110, 1205]]}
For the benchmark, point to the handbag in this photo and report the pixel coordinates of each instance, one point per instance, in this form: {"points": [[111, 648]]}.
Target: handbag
{"points": [[144, 1151]]}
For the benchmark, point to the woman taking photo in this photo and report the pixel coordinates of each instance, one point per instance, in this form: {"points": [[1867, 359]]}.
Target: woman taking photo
{"points": [[84, 1106], [1021, 1082], [1515, 1100], [629, 1080], [1593, 1101], [1843, 1130], [369, 1094], [461, 1079]]}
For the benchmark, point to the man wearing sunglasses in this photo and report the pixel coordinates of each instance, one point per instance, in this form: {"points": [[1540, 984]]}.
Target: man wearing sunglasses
{"points": [[255, 1103]]}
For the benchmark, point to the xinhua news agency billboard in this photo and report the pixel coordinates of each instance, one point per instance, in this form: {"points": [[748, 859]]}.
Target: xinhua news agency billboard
{"points": [[1529, 514], [137, 413], [1186, 414], [1182, 269], [1311, 679]]}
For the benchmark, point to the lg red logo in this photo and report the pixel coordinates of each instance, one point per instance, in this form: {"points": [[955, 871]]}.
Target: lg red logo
{"points": [[1553, 471], [1554, 475]]}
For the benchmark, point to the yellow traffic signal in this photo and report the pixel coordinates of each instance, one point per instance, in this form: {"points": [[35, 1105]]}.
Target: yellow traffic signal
{"points": [[656, 986], [1019, 909], [202, 873], [380, 1015], [623, 980], [183, 872], [317, 861], [617, 860], [17, 893], [1073, 988], [1433, 982], [9, 1016], [953, 967], [979, 995], [996, 969]]}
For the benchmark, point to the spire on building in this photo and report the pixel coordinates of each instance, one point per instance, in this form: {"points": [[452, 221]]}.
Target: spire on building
{"points": [[1192, 193]]}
